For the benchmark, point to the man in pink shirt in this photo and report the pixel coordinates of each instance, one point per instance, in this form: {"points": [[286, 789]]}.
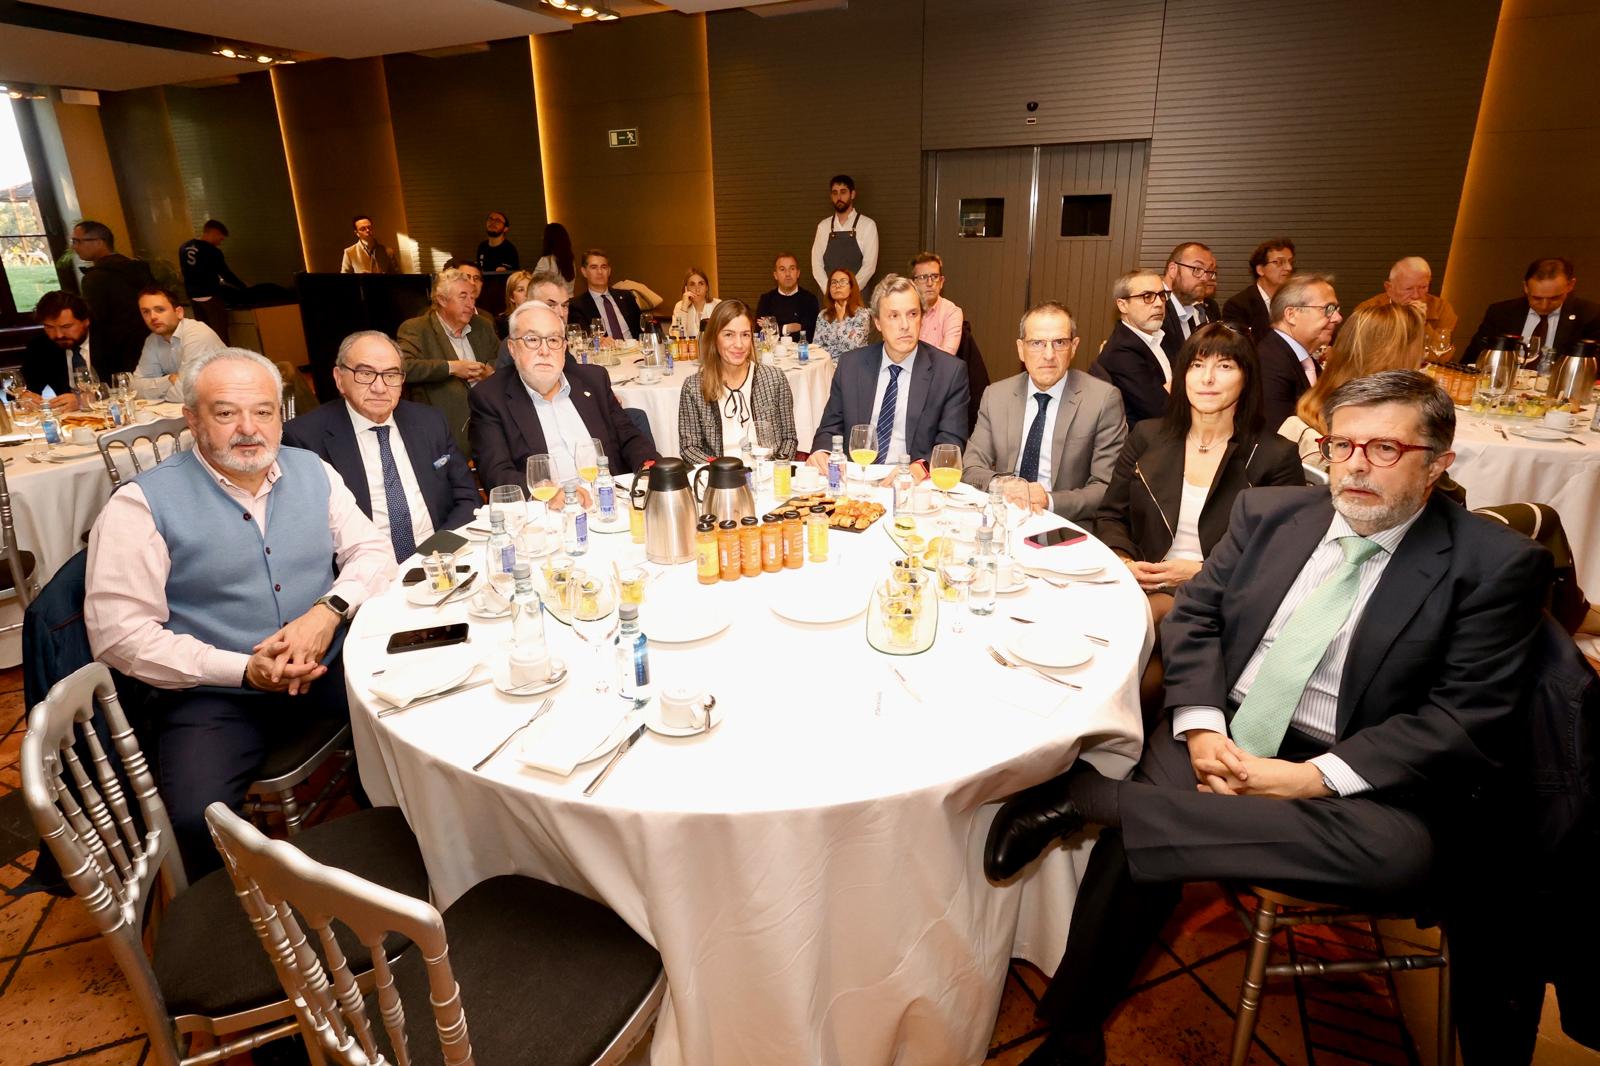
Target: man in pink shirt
{"points": [[941, 319], [222, 577]]}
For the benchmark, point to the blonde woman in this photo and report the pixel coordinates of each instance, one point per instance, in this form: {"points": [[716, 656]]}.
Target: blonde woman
{"points": [[722, 401], [516, 292]]}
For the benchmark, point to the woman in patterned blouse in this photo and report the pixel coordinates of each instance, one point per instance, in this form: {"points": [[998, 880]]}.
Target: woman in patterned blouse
{"points": [[842, 325], [722, 401]]}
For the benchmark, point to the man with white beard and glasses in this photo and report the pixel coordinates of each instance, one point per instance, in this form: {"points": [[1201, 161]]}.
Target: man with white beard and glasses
{"points": [[221, 578], [1341, 674]]}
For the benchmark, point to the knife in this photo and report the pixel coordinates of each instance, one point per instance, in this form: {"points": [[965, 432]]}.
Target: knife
{"points": [[387, 711], [1578, 442], [458, 590], [605, 771]]}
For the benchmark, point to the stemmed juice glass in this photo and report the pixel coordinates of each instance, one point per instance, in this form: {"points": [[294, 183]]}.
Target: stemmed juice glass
{"points": [[944, 466], [957, 571], [507, 500], [27, 414], [1496, 370], [541, 475], [863, 448], [593, 598]]}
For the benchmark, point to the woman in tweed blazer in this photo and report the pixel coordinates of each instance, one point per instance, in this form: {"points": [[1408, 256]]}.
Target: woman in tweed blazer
{"points": [[731, 391]]}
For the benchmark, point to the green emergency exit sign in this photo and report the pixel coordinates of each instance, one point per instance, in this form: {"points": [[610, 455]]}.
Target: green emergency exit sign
{"points": [[623, 138]]}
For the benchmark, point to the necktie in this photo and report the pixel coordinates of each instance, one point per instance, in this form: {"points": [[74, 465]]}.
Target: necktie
{"points": [[1029, 470], [77, 359], [891, 395], [1536, 339], [394, 494], [613, 320], [1262, 719], [1199, 315]]}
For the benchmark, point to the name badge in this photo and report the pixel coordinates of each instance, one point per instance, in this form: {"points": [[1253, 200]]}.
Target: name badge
{"points": [[439, 463]]}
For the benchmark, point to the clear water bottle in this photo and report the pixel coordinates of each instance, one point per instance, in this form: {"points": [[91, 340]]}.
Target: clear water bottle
{"points": [[605, 490], [836, 461], [1000, 515], [633, 657], [672, 348], [805, 348], [527, 620], [51, 425], [981, 598], [575, 524], [501, 551], [903, 485]]}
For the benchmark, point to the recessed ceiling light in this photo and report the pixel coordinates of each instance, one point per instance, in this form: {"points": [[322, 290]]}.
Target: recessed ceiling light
{"points": [[229, 52], [263, 59], [589, 12]]}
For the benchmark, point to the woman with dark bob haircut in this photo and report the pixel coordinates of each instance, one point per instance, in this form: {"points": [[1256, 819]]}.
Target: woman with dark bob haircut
{"points": [[1177, 477]]}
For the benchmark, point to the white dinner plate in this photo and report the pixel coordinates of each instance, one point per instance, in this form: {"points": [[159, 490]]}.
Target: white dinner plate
{"points": [[684, 622], [422, 595], [1049, 647], [618, 524], [65, 453], [1069, 571], [1544, 433], [652, 718], [818, 602]]}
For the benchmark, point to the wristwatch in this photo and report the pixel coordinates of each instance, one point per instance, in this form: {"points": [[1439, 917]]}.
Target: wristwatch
{"points": [[337, 603]]}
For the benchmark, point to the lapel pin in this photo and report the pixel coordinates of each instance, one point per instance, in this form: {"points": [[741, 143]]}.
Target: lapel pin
{"points": [[586, 393]]}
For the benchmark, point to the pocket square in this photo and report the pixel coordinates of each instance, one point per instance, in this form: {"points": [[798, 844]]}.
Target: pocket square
{"points": [[439, 463]]}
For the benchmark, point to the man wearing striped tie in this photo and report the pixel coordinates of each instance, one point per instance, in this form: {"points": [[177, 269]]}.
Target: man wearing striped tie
{"points": [[1339, 677], [397, 458]]}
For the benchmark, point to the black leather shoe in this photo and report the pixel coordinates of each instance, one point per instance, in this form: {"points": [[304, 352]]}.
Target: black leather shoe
{"points": [[1026, 824], [1075, 1049]]}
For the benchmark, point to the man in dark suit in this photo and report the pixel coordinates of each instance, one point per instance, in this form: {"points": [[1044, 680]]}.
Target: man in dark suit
{"points": [[447, 350], [51, 357], [1191, 281], [398, 458], [1251, 307], [615, 307], [1135, 357], [1305, 314], [869, 386], [542, 405], [112, 290], [1341, 670], [1547, 311]]}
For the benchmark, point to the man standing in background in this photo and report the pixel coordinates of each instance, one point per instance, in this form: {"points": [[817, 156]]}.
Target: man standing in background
{"points": [[496, 253], [112, 290], [206, 273], [367, 256], [846, 239]]}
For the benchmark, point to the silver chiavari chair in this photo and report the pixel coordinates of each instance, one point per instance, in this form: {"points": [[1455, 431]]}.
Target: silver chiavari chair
{"points": [[16, 565], [175, 430]]}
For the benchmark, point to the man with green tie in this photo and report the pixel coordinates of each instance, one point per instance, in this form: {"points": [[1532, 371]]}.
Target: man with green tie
{"points": [[1338, 674]]}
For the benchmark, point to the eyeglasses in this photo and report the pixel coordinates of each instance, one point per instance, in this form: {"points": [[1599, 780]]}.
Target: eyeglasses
{"points": [[1147, 298], [365, 375], [1200, 271], [1380, 451], [1036, 345], [535, 342], [1328, 310], [926, 279], [1274, 261]]}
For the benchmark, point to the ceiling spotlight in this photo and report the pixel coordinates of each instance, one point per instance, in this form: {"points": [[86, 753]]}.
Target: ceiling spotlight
{"points": [[229, 52], [589, 12], [263, 59], [606, 15]]}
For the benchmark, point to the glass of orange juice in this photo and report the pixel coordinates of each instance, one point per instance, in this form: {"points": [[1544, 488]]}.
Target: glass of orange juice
{"points": [[944, 467]]}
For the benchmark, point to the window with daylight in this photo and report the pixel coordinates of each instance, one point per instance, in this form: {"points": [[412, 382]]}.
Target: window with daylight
{"points": [[29, 270]]}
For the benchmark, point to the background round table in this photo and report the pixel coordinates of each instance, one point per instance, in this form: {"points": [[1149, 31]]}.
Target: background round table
{"points": [[808, 381], [811, 869], [1514, 469]]}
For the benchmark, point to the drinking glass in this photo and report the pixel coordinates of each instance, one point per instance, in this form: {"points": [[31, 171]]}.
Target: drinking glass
{"points": [[863, 448], [97, 397], [508, 501], [82, 379], [542, 479], [587, 455], [630, 584], [944, 467], [1443, 344], [763, 434], [27, 414], [957, 571], [1497, 369], [593, 596], [8, 386]]}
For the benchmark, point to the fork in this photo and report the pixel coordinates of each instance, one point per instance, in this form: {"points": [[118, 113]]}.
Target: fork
{"points": [[1009, 665], [498, 748]]}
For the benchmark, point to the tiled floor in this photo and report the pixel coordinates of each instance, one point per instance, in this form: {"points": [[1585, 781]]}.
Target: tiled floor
{"points": [[63, 1000]]}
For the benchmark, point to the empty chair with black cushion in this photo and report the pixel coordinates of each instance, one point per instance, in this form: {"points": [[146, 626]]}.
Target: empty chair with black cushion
{"points": [[93, 798], [516, 970]]}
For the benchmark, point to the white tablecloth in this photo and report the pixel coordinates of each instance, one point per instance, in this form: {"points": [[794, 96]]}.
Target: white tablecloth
{"points": [[1514, 469], [811, 870], [809, 382]]}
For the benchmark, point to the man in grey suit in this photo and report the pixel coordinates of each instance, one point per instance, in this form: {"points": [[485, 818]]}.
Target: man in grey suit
{"points": [[1058, 429], [446, 350], [870, 386]]}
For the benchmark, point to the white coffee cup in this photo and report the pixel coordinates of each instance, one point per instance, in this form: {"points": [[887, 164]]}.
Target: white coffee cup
{"points": [[807, 479], [81, 435], [529, 665], [1559, 419], [683, 707], [649, 375], [1007, 573]]}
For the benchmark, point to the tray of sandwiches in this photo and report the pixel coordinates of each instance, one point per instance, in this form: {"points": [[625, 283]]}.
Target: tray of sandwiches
{"points": [[850, 515]]}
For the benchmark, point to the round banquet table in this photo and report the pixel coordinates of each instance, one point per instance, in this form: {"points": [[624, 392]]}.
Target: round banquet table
{"points": [[1499, 469], [810, 870], [808, 381]]}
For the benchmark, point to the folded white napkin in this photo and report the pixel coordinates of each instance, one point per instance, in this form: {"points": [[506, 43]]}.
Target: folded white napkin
{"points": [[418, 674], [560, 739], [1018, 688]]}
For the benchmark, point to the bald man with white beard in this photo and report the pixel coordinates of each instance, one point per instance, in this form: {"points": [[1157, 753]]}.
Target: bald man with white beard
{"points": [[1408, 283]]}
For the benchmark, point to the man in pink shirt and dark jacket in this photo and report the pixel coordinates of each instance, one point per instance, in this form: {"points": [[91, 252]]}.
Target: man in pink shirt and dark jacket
{"points": [[941, 319], [222, 577]]}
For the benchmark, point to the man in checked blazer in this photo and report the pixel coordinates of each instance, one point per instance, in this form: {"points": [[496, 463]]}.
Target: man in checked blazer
{"points": [[1077, 428]]}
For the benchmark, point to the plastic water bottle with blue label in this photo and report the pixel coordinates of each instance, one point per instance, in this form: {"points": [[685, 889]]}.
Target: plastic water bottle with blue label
{"points": [[805, 348], [575, 533], [633, 656], [605, 488], [836, 461]]}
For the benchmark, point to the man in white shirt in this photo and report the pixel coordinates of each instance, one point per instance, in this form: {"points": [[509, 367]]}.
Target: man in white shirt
{"points": [[1305, 314], [367, 255], [1134, 358], [174, 340], [846, 239], [1191, 281]]}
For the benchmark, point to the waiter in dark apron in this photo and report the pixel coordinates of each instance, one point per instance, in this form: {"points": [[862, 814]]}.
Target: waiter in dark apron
{"points": [[846, 239]]}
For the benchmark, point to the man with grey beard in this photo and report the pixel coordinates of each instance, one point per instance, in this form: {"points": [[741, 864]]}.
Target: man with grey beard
{"points": [[1339, 675], [222, 578]]}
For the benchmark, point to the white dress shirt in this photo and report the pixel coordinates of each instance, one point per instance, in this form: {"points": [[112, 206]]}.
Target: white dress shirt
{"points": [[866, 240], [1317, 713], [736, 430], [1551, 321], [1153, 342], [1307, 364], [1030, 411], [372, 463], [1266, 298], [1186, 315], [602, 299], [902, 399], [459, 341], [166, 355], [563, 429]]}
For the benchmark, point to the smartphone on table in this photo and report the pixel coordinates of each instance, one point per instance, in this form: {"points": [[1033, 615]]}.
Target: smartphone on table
{"points": [[431, 637], [1052, 537]]}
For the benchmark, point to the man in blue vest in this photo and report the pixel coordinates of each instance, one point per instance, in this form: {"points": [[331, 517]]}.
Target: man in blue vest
{"points": [[222, 577]]}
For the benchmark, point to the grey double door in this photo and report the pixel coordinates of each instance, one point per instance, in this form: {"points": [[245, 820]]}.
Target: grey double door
{"points": [[1016, 226]]}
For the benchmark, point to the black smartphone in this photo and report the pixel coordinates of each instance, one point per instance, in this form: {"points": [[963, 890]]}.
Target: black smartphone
{"points": [[414, 575], [432, 637], [1051, 537]]}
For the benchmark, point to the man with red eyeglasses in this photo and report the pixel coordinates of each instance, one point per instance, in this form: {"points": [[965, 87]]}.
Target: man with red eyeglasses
{"points": [[1339, 676]]}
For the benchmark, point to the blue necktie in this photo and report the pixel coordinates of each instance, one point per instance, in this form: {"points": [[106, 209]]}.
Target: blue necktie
{"points": [[1029, 470], [395, 495], [614, 328], [891, 395]]}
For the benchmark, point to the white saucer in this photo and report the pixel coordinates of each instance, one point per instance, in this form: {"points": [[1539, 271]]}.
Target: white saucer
{"points": [[619, 524], [1049, 647], [817, 603], [500, 668], [684, 624], [1544, 433], [652, 718], [1020, 584], [62, 453]]}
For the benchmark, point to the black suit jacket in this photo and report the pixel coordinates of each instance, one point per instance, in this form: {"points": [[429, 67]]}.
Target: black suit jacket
{"points": [[1128, 363], [505, 428], [584, 310], [1580, 320], [1247, 309], [43, 363], [448, 489], [1283, 379], [1139, 511], [936, 409], [1172, 337], [1433, 671]]}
